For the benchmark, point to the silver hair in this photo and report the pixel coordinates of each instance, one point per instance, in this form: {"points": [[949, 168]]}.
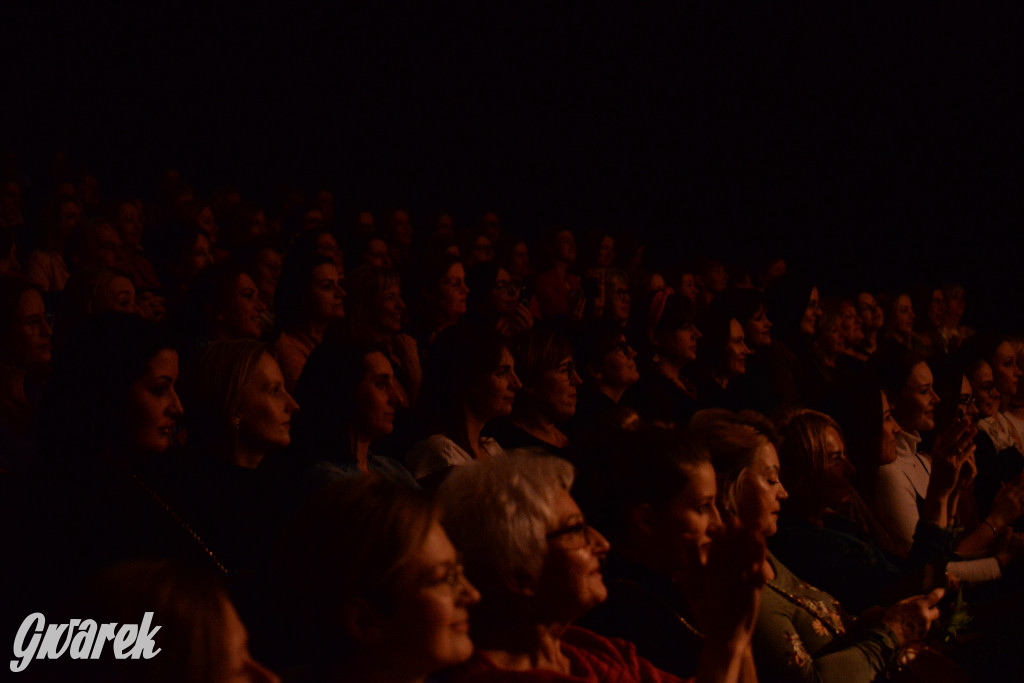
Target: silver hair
{"points": [[498, 513]]}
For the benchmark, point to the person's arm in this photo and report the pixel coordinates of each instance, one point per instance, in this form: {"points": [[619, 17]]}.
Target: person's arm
{"points": [[729, 590], [1007, 507], [896, 505]]}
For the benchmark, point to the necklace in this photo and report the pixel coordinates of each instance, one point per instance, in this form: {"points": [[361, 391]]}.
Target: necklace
{"points": [[687, 625], [183, 523]]}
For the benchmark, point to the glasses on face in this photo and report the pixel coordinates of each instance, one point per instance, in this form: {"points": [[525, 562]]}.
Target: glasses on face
{"points": [[454, 575], [567, 368], [622, 293], [623, 348], [37, 322], [989, 388], [573, 536], [507, 286], [965, 401]]}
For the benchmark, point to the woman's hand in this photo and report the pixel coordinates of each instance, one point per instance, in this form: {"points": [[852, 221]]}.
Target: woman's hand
{"points": [[728, 587], [518, 320], [403, 346], [953, 448], [910, 619], [1008, 504]]}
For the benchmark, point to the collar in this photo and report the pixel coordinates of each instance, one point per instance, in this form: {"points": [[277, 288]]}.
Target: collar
{"points": [[907, 443]]}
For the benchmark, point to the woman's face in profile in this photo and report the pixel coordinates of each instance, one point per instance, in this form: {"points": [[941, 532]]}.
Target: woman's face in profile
{"points": [[890, 428], [809, 321], [914, 408], [571, 583], [31, 332], [328, 298], [430, 627], [736, 350], [265, 408], [243, 309], [758, 329], [759, 492], [903, 322], [1005, 372], [684, 529], [388, 307], [986, 394], [378, 396], [450, 293], [502, 298], [196, 257], [555, 390], [153, 405], [492, 396]]}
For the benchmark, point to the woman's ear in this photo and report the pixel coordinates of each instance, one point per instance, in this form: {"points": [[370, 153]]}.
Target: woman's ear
{"points": [[362, 621], [521, 583], [641, 518]]}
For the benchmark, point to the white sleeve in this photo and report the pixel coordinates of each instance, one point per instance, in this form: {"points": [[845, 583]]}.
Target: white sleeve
{"points": [[896, 505]]}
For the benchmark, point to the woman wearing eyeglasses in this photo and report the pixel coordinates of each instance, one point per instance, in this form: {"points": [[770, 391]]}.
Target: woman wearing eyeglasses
{"points": [[994, 375], [369, 587], [537, 564], [493, 299]]}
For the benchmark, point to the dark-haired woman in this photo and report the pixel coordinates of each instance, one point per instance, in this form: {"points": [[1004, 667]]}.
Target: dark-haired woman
{"points": [[308, 299], [350, 398], [109, 413], [471, 381], [545, 366], [665, 394], [375, 314], [493, 299], [25, 351], [723, 356]]}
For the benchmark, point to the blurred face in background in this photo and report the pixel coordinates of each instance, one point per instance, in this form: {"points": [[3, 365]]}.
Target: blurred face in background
{"points": [[986, 395]]}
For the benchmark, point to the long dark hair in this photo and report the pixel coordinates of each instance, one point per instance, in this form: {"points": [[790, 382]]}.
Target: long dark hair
{"points": [[326, 390], [82, 415]]}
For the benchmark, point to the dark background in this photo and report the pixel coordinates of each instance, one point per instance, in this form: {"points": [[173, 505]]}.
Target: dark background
{"points": [[872, 146]]}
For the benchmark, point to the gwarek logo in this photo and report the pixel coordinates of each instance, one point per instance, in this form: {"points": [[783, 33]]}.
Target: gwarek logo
{"points": [[131, 641]]}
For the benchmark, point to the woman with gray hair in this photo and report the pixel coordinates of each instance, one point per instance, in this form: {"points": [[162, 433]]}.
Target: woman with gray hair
{"points": [[537, 564]]}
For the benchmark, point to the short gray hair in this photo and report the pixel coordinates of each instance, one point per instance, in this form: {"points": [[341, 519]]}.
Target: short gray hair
{"points": [[498, 513]]}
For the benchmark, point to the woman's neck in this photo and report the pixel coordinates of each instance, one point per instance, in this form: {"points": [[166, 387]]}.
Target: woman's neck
{"points": [[473, 425], [532, 646], [315, 329], [247, 456], [536, 424], [361, 452]]}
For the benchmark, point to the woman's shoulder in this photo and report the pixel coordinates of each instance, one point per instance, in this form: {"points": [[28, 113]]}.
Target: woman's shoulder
{"points": [[434, 453]]}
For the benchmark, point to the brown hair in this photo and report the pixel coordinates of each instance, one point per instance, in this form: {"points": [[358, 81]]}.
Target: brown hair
{"points": [[213, 384], [362, 285], [731, 439], [802, 455], [190, 606], [349, 542]]}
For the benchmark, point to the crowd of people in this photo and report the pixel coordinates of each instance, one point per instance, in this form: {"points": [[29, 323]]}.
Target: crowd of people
{"points": [[359, 447]]}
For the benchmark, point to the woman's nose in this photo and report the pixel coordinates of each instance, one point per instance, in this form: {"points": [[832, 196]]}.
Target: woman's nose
{"points": [[598, 543], [468, 594], [175, 410]]}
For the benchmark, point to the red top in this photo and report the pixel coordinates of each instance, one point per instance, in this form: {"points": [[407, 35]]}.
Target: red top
{"points": [[592, 658]]}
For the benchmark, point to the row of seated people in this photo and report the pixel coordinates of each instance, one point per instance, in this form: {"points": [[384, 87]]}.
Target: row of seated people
{"points": [[112, 482]]}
